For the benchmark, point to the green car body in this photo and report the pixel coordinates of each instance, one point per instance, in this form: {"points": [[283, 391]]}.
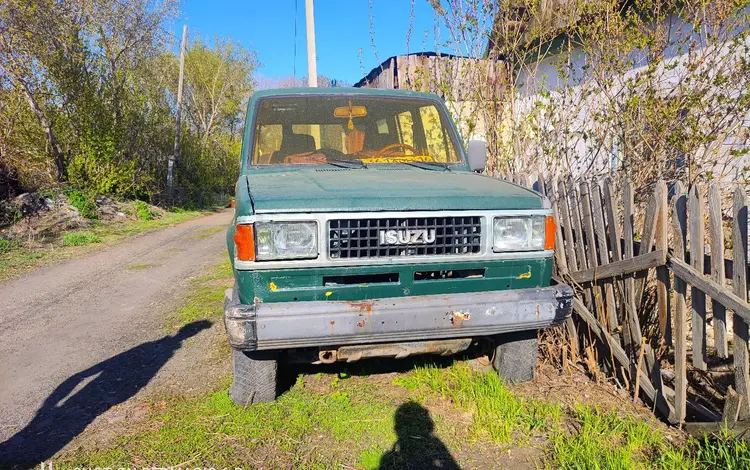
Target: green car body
{"points": [[326, 303]]}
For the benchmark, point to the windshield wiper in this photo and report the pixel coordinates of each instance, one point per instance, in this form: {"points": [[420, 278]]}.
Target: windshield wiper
{"points": [[429, 165], [340, 162]]}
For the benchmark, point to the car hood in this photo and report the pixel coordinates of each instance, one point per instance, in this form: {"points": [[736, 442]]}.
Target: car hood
{"points": [[387, 189]]}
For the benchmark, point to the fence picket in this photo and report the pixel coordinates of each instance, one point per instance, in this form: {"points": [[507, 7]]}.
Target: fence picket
{"points": [[679, 338], [601, 238], [583, 261], [697, 240], [739, 281], [662, 272], [570, 253], [716, 234], [590, 247], [628, 228]]}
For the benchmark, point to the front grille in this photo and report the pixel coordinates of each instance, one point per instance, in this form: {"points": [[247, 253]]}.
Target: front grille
{"points": [[404, 236]]}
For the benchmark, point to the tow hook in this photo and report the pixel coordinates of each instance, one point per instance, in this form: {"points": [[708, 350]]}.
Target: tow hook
{"points": [[328, 356]]}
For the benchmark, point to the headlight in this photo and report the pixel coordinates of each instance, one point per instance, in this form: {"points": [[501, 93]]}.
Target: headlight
{"points": [[518, 233], [286, 240]]}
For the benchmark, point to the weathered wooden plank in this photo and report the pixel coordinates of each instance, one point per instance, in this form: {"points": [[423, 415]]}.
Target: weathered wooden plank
{"points": [[664, 407], [699, 430], [662, 285], [716, 237], [601, 239], [576, 222], [732, 402], [707, 286], [573, 334], [575, 219], [647, 238], [628, 229], [739, 283], [622, 268], [679, 338], [561, 263], [662, 273], [698, 298], [590, 248], [570, 254], [615, 243]]}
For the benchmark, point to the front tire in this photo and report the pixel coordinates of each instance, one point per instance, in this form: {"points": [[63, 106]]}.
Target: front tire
{"points": [[254, 377], [516, 355]]}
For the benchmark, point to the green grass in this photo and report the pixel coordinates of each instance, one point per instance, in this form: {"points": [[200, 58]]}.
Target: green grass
{"points": [[141, 267], [20, 258], [80, 238], [84, 202], [206, 297], [605, 441], [352, 421], [6, 245], [300, 429], [499, 415]]}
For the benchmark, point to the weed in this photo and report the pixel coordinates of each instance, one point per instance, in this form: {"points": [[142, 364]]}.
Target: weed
{"points": [[80, 238], [84, 202], [144, 212], [6, 245]]}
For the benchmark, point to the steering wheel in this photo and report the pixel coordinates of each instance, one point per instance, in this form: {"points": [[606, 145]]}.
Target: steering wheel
{"points": [[396, 145]]}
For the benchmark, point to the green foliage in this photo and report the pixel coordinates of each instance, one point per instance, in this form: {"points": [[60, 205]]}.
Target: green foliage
{"points": [[80, 238], [6, 245], [88, 99], [144, 212], [84, 202]]}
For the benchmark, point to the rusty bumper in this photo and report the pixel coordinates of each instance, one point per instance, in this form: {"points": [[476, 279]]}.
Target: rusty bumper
{"points": [[322, 323]]}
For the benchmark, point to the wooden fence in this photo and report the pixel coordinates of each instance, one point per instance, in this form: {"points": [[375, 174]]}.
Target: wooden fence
{"points": [[636, 281]]}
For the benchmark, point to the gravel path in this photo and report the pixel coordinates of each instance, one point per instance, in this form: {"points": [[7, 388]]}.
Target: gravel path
{"points": [[80, 337]]}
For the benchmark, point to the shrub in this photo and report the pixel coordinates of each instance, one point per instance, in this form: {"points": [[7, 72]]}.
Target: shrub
{"points": [[84, 202], [144, 212], [80, 238]]}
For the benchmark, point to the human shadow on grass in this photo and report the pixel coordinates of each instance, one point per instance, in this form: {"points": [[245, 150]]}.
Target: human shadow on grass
{"points": [[76, 402], [417, 446]]}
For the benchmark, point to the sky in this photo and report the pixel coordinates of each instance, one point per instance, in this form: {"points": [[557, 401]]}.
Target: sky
{"points": [[342, 27]]}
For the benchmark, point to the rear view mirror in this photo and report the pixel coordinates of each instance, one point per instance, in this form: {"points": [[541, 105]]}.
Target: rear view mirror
{"points": [[477, 155], [350, 111]]}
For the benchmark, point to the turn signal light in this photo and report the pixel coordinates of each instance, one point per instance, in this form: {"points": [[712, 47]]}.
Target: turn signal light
{"points": [[549, 233], [244, 242]]}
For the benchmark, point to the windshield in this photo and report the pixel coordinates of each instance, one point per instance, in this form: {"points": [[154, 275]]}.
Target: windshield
{"points": [[352, 129]]}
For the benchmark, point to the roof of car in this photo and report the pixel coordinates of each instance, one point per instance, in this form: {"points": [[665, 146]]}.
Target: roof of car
{"points": [[342, 91]]}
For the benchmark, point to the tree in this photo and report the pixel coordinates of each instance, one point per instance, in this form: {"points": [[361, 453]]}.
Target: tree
{"points": [[219, 80]]}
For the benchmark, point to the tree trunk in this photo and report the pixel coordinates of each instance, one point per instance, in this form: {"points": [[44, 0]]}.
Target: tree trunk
{"points": [[54, 145]]}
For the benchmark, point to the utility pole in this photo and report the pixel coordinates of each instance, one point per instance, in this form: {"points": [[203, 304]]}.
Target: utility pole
{"points": [[176, 155], [312, 68]]}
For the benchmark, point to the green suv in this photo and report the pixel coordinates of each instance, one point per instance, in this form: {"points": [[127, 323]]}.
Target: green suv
{"points": [[362, 230]]}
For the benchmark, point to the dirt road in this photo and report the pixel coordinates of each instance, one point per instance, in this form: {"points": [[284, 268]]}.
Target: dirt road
{"points": [[79, 337]]}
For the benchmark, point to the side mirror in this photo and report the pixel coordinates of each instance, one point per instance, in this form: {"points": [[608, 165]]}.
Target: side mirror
{"points": [[477, 155]]}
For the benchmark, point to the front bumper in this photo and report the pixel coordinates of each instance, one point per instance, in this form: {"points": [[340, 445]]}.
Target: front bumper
{"points": [[285, 325]]}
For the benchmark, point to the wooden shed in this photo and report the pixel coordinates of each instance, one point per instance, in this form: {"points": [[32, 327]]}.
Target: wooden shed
{"points": [[454, 78]]}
